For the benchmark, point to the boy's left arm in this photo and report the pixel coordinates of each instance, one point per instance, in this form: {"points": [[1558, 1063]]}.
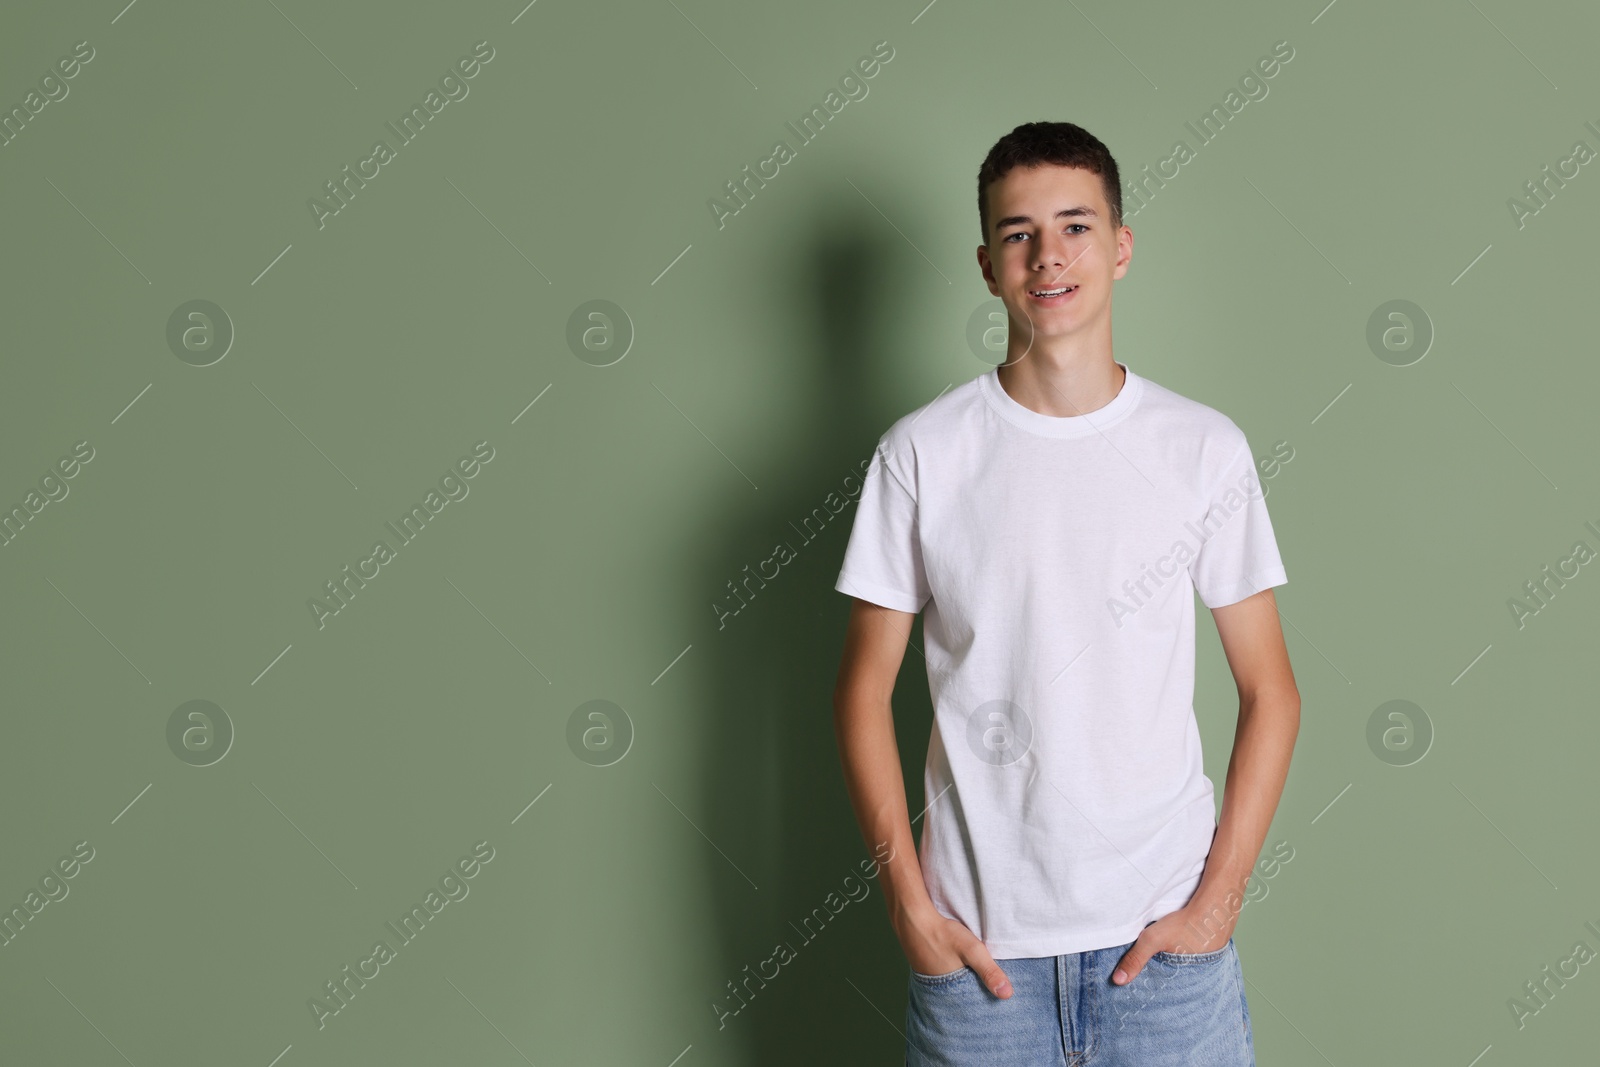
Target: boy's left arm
{"points": [[1269, 720]]}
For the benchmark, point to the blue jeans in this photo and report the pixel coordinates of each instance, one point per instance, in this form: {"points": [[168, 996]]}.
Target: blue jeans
{"points": [[1064, 1011]]}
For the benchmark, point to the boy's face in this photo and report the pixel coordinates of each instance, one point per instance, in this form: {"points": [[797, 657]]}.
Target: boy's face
{"points": [[1050, 227]]}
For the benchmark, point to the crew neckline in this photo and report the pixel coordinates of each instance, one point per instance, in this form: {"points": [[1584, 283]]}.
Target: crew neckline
{"points": [[1062, 425]]}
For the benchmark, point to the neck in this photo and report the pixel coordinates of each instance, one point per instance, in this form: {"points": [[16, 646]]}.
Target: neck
{"points": [[1065, 387]]}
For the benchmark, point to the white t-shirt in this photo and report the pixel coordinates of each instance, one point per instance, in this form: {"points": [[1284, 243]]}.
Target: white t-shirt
{"points": [[1058, 559]]}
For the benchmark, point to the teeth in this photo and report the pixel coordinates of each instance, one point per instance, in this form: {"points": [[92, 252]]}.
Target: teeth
{"points": [[1052, 292]]}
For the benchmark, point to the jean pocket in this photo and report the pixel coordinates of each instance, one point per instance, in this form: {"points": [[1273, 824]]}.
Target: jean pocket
{"points": [[1193, 957], [941, 979]]}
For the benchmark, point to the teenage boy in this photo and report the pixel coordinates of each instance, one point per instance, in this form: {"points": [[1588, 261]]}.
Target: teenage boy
{"points": [[1076, 893]]}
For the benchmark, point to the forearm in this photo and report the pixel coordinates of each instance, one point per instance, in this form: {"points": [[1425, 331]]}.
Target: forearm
{"points": [[1263, 745], [876, 783]]}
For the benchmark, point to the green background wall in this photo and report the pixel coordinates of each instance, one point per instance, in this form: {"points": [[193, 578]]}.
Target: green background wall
{"points": [[748, 369]]}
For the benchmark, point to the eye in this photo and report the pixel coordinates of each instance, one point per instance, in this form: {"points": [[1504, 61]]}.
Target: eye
{"points": [[1008, 239], [1078, 225]]}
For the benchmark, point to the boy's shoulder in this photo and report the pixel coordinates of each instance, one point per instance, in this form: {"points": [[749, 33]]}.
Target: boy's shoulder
{"points": [[1193, 442], [1160, 412], [1182, 417]]}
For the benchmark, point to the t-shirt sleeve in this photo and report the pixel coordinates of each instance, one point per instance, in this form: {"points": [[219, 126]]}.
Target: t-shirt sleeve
{"points": [[883, 560], [1239, 556]]}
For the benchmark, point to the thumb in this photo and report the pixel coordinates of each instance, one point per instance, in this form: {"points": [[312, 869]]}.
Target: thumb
{"points": [[1133, 960], [1131, 964], [988, 971]]}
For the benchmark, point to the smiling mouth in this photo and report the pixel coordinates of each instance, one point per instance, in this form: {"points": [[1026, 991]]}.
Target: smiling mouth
{"points": [[1047, 294]]}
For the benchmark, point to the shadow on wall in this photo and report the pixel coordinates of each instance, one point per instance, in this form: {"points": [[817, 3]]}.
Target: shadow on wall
{"points": [[808, 944]]}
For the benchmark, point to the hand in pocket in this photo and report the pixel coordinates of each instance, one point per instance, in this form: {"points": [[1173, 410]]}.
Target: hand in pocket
{"points": [[937, 945]]}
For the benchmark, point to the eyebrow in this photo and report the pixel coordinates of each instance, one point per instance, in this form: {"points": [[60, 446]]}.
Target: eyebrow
{"points": [[1081, 211]]}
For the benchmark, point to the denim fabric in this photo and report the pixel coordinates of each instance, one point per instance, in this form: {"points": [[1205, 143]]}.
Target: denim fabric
{"points": [[1064, 1011]]}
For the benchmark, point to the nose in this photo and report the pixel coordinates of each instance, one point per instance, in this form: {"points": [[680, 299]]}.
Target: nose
{"points": [[1050, 252], [1054, 255]]}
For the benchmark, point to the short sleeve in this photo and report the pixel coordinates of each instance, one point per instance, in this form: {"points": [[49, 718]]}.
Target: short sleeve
{"points": [[883, 560], [1239, 554]]}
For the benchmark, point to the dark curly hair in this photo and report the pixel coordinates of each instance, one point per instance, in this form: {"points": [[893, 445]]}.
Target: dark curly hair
{"points": [[1060, 143]]}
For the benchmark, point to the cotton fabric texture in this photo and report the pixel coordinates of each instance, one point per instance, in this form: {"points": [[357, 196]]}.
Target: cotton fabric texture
{"points": [[1056, 560]]}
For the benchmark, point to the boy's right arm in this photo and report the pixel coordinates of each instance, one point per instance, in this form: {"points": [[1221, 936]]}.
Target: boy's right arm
{"points": [[863, 722]]}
